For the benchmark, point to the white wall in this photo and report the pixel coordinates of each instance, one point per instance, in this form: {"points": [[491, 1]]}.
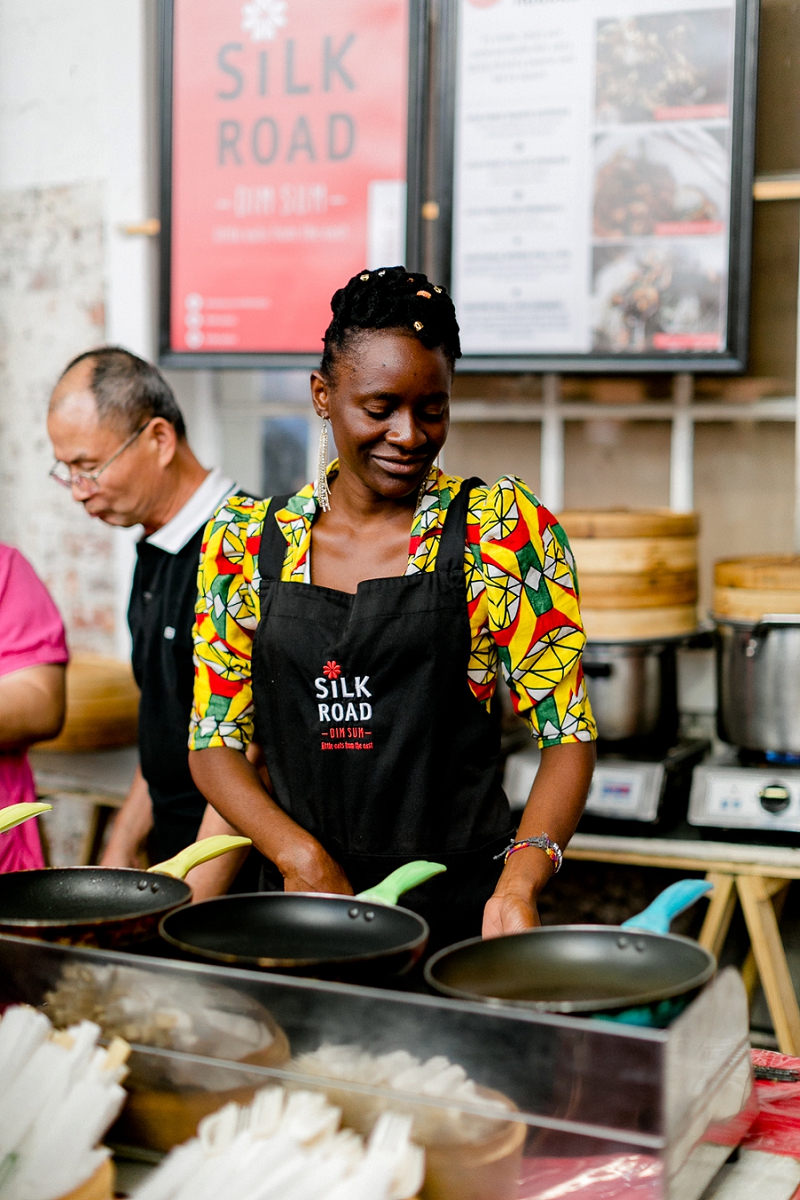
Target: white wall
{"points": [[75, 109]]}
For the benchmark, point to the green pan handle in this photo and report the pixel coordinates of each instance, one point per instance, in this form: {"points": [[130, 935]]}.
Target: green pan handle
{"points": [[15, 814], [402, 880], [199, 852]]}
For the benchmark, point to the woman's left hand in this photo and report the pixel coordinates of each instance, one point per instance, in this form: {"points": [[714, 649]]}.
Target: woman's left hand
{"points": [[509, 913]]}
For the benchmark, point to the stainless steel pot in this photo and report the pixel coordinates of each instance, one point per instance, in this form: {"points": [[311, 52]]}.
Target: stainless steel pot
{"points": [[758, 682], [633, 689]]}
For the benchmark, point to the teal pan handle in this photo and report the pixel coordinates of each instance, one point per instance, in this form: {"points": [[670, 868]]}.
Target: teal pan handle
{"points": [[649, 1016], [675, 899], [657, 918]]}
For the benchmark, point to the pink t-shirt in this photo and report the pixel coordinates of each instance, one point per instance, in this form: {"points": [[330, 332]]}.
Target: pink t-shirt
{"points": [[31, 633]]}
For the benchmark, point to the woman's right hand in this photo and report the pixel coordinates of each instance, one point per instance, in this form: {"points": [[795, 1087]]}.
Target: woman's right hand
{"points": [[236, 786], [309, 868]]}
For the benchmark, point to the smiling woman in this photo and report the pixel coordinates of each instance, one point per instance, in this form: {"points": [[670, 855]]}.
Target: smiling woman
{"points": [[355, 631]]}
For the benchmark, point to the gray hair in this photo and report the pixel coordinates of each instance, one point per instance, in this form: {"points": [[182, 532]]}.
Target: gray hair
{"points": [[129, 391]]}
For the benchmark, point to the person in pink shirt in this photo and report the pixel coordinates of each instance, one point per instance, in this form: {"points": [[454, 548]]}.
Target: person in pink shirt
{"points": [[33, 658]]}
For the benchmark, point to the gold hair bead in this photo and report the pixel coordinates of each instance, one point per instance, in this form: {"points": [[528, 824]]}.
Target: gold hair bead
{"points": [[364, 278], [437, 289], [427, 295], [418, 325], [411, 279]]}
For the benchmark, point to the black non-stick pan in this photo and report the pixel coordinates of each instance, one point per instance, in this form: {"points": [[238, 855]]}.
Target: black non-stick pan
{"points": [[309, 933], [101, 906], [582, 968]]}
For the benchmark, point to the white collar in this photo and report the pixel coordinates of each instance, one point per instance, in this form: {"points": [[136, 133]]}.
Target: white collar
{"points": [[198, 509]]}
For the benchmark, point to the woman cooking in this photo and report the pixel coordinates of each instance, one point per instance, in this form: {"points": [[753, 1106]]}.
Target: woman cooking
{"points": [[356, 631]]}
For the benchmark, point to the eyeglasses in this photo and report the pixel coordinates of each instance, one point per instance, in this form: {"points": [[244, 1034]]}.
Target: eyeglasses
{"points": [[63, 473]]}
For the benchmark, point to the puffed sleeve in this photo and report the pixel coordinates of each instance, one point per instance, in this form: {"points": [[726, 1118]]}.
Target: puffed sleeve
{"points": [[31, 629], [226, 616], [533, 613]]}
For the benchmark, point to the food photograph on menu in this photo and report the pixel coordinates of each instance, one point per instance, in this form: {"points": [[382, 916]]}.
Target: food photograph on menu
{"points": [[662, 183], [664, 66], [659, 296]]}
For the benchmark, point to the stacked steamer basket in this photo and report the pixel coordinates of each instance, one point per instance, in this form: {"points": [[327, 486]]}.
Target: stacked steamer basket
{"points": [[637, 571], [748, 588]]}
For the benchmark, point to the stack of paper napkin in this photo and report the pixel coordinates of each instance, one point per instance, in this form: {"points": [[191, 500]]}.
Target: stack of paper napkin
{"points": [[288, 1146], [59, 1093]]}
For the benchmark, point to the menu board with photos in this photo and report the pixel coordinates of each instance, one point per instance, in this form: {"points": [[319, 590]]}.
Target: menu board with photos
{"points": [[602, 171], [284, 157]]}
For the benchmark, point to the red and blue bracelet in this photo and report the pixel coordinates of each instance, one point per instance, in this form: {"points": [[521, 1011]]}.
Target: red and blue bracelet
{"points": [[551, 849]]}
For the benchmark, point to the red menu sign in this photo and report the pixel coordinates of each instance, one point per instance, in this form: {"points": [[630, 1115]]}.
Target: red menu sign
{"points": [[289, 140]]}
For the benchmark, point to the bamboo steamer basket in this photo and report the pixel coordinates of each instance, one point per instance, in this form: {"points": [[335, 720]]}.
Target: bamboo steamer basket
{"points": [[99, 1186], [102, 706], [159, 1120], [747, 588], [637, 571], [633, 556], [486, 1168], [638, 624], [628, 523], [648, 589]]}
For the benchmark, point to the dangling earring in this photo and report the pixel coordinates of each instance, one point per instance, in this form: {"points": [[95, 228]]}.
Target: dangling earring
{"points": [[321, 485], [424, 484]]}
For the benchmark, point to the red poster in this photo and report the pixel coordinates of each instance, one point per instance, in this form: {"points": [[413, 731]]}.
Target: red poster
{"points": [[289, 163]]}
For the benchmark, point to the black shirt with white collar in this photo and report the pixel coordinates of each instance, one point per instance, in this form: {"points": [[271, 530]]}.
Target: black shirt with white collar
{"points": [[161, 618]]}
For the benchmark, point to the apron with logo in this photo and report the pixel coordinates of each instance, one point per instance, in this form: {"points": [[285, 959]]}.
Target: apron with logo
{"points": [[373, 740]]}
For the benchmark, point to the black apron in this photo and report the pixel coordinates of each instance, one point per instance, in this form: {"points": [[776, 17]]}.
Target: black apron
{"points": [[373, 740], [161, 617]]}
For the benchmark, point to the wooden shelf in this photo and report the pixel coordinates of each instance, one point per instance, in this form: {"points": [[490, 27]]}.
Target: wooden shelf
{"points": [[782, 408], [777, 187]]}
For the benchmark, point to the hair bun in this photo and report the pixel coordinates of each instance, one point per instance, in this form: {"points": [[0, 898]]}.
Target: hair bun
{"points": [[392, 298]]}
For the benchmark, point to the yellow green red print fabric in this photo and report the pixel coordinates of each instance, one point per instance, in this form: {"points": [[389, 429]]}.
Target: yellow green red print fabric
{"points": [[522, 598]]}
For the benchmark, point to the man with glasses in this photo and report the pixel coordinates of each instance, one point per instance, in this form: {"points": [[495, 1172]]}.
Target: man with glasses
{"points": [[120, 443]]}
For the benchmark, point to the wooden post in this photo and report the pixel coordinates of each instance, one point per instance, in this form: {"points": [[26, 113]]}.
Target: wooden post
{"points": [[779, 890], [721, 904], [765, 939]]}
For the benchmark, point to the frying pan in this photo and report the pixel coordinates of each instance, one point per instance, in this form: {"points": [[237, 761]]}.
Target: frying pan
{"points": [[311, 933], [584, 968], [107, 907]]}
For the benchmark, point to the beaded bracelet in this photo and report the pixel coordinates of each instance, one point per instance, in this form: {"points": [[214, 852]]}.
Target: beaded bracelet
{"points": [[551, 849]]}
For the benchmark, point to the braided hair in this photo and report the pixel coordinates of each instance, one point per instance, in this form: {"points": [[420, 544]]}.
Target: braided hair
{"points": [[391, 298]]}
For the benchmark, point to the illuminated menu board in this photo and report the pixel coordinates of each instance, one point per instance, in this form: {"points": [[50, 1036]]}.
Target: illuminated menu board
{"points": [[602, 182]]}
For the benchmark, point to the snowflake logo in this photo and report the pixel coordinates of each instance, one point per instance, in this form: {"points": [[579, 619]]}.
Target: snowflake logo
{"points": [[263, 18], [332, 669]]}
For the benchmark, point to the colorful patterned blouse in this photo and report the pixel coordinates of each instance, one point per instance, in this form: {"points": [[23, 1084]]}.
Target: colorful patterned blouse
{"points": [[522, 598]]}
